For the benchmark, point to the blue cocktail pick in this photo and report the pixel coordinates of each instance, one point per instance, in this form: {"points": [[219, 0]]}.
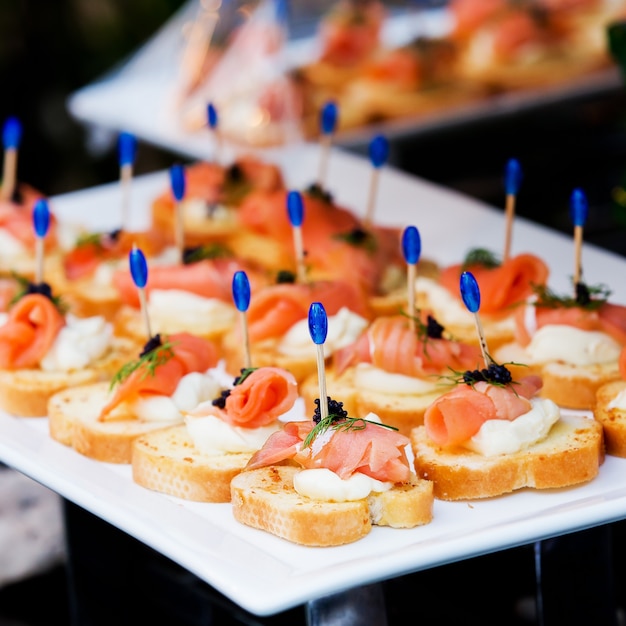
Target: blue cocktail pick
{"points": [[328, 123], [12, 133], [578, 207], [211, 114], [512, 181], [139, 273], [411, 245], [470, 293], [241, 291], [379, 151], [411, 249], [138, 267], [241, 297], [41, 218], [328, 118], [41, 223], [295, 208], [127, 149], [578, 211], [512, 177], [295, 211], [318, 329], [318, 323], [178, 183], [177, 180], [11, 136]]}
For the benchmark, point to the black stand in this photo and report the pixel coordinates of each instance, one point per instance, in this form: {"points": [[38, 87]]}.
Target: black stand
{"points": [[575, 583]]}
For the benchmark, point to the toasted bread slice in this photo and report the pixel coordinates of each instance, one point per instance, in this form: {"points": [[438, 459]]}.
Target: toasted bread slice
{"points": [[129, 322], [571, 454], [403, 411], [168, 462], [569, 386], [73, 420], [25, 392], [613, 419], [265, 498]]}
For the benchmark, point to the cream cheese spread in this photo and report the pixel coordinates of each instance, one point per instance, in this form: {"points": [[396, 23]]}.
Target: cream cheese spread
{"points": [[497, 437], [192, 389], [343, 329], [78, 344]]}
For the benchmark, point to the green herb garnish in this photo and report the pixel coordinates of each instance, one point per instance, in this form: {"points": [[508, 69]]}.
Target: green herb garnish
{"points": [[481, 256], [97, 239], [337, 419], [154, 354], [245, 372], [587, 297], [207, 251]]}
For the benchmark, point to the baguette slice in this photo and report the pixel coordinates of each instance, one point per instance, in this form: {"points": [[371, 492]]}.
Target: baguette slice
{"points": [[265, 499], [613, 420], [26, 392], [569, 386], [571, 454], [168, 462], [73, 420], [404, 412], [129, 322]]}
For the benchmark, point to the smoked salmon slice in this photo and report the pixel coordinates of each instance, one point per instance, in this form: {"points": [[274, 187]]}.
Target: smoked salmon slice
{"points": [[503, 286], [275, 309], [456, 416], [263, 396], [350, 32], [181, 354], [33, 324], [18, 222], [212, 182], [85, 257], [209, 278], [265, 213], [373, 450], [391, 345]]}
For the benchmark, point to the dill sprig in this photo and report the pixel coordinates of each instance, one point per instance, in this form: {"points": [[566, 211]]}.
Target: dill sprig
{"points": [[26, 287], [244, 373], [481, 256], [207, 251], [337, 419], [97, 239], [149, 360], [358, 238], [589, 297]]}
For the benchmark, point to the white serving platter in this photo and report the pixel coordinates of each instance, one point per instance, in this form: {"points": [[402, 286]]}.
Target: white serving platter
{"points": [[265, 574]]}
